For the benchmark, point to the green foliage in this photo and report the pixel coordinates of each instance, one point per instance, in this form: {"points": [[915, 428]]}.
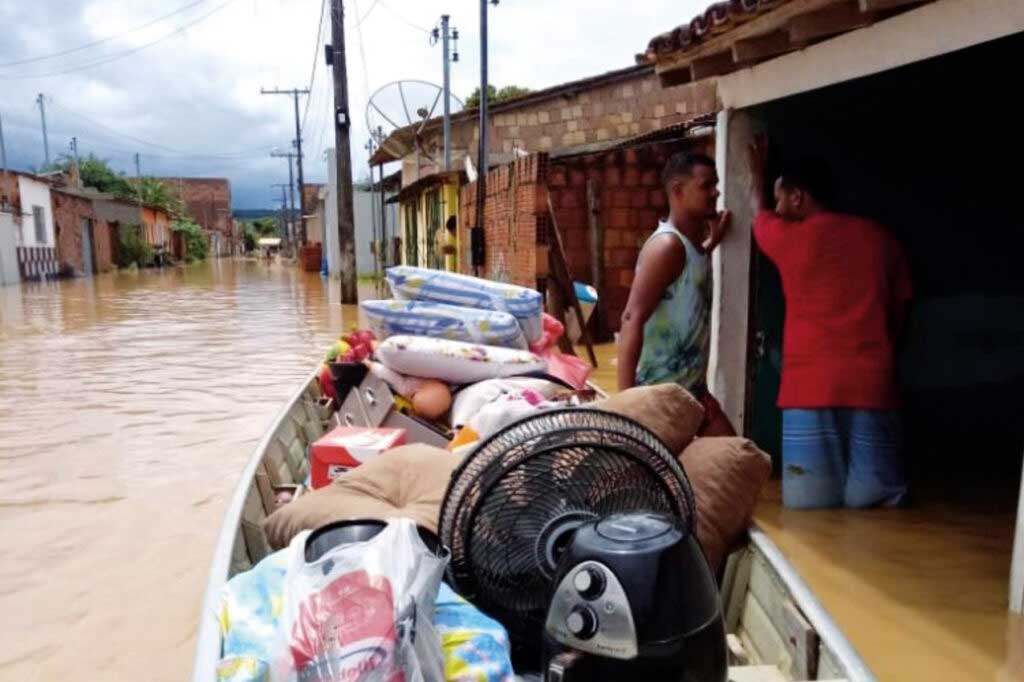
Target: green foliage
{"points": [[96, 172], [261, 227], [196, 246], [495, 95], [132, 249]]}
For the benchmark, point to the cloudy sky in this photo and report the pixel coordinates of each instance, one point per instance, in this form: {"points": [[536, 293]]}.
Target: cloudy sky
{"points": [[178, 81]]}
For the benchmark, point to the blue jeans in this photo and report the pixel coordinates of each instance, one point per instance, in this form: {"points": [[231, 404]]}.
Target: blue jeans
{"points": [[841, 456]]}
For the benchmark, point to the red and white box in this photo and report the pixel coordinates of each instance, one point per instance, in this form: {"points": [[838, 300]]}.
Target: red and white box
{"points": [[346, 447]]}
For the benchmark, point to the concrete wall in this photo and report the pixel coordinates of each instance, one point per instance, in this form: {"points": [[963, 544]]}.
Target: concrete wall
{"points": [[367, 217], [35, 193], [8, 250]]}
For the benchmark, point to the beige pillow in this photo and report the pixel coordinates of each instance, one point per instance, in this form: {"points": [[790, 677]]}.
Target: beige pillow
{"points": [[668, 410], [409, 481], [727, 475]]}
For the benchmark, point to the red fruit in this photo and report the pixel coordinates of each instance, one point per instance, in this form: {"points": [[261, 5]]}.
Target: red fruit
{"points": [[326, 382]]}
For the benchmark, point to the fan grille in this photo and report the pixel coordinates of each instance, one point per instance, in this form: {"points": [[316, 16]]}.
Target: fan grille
{"points": [[513, 502]]}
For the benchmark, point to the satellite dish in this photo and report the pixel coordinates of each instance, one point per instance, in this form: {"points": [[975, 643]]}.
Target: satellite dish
{"points": [[406, 104]]}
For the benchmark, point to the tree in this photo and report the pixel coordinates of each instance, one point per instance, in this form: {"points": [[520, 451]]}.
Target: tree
{"points": [[494, 95], [196, 246], [96, 172]]}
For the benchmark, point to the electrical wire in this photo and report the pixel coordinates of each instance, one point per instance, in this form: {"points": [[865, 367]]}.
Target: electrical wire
{"points": [[101, 41], [176, 152], [403, 18], [126, 53], [316, 60]]}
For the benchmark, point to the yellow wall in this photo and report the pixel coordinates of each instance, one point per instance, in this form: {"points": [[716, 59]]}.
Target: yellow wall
{"points": [[450, 206]]}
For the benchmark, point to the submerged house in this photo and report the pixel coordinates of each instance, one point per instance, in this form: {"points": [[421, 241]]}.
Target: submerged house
{"points": [[26, 197]]}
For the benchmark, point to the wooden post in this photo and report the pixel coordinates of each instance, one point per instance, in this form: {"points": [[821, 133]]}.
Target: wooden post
{"points": [[342, 121], [596, 250], [564, 281]]}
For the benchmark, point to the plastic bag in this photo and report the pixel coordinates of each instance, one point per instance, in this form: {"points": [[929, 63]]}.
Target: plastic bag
{"points": [[568, 368], [362, 612]]}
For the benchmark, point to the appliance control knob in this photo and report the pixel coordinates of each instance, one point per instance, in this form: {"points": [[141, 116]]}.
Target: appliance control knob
{"points": [[589, 582], [582, 622]]}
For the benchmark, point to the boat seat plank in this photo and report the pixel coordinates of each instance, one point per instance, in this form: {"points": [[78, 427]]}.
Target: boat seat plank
{"points": [[798, 636], [276, 462], [734, 585], [758, 633], [756, 673]]}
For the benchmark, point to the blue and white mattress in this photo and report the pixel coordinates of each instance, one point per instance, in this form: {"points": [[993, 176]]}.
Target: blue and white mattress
{"points": [[421, 284], [416, 318]]}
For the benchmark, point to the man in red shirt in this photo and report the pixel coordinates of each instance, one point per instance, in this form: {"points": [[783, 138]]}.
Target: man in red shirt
{"points": [[846, 286]]}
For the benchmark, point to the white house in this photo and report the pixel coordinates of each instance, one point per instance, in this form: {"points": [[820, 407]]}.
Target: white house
{"points": [[37, 212]]}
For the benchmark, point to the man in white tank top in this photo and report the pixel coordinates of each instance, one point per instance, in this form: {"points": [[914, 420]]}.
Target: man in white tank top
{"points": [[666, 326]]}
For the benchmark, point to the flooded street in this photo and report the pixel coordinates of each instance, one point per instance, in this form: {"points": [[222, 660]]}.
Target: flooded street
{"points": [[128, 406]]}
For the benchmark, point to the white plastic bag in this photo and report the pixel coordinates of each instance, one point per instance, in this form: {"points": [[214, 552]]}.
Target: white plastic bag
{"points": [[362, 612]]}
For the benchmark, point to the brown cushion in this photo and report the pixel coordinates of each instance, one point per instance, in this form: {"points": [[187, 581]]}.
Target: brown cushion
{"points": [[409, 481], [727, 475], [669, 410]]}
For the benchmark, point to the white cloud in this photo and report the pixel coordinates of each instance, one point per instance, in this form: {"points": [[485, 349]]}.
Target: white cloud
{"points": [[198, 90]]}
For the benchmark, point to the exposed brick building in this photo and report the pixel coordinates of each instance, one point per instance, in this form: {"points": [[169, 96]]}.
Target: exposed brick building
{"points": [[590, 111], [84, 243], [625, 204], [208, 202]]}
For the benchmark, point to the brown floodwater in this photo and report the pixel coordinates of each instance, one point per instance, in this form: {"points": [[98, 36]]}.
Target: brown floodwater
{"points": [[128, 406]]}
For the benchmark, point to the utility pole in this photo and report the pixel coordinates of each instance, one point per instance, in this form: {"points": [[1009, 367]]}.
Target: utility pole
{"points": [[284, 211], [3, 148], [444, 34], [481, 183], [383, 221], [291, 180], [78, 167], [342, 121], [138, 168], [41, 101], [375, 249], [295, 92]]}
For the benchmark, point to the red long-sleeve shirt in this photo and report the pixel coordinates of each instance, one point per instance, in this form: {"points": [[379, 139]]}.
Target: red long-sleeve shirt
{"points": [[846, 284]]}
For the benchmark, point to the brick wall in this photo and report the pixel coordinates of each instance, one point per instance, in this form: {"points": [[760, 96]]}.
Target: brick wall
{"points": [[594, 110], [68, 212], [9, 192], [103, 245], [514, 212], [207, 201], [631, 202]]}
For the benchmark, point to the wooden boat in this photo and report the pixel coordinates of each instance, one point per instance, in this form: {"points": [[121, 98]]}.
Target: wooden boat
{"points": [[778, 629]]}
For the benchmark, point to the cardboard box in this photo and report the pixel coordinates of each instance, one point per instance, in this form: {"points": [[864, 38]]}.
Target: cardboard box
{"points": [[346, 447]]}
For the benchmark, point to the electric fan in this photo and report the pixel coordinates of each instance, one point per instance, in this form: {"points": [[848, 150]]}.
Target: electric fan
{"points": [[513, 507]]}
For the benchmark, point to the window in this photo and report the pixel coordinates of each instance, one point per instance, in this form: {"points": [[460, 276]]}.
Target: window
{"points": [[39, 218]]}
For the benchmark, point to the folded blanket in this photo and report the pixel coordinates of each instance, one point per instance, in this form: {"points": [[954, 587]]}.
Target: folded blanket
{"points": [[420, 284], [440, 321]]}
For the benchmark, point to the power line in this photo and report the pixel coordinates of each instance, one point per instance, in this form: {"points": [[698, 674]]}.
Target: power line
{"points": [[402, 17], [126, 53], [362, 52], [368, 13], [179, 152], [316, 58], [101, 41]]}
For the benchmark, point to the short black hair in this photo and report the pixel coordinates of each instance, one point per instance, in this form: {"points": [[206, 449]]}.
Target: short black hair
{"points": [[811, 174], [682, 164]]}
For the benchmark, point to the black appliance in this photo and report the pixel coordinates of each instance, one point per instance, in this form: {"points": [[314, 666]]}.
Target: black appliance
{"points": [[574, 528]]}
